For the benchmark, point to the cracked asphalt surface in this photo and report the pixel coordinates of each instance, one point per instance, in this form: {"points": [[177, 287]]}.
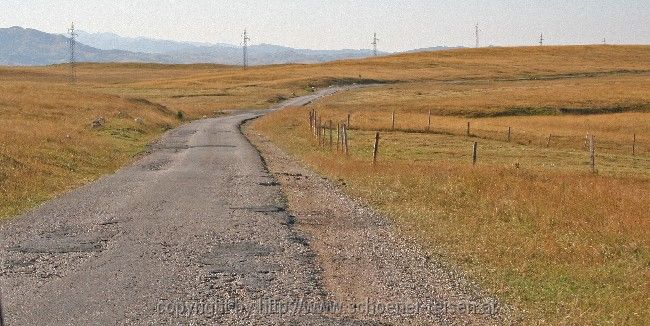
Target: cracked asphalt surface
{"points": [[197, 232]]}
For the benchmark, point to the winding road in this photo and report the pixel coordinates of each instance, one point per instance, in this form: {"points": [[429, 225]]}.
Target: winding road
{"points": [[196, 232]]}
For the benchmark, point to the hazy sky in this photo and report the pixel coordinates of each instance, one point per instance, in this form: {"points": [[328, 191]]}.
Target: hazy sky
{"points": [[334, 24]]}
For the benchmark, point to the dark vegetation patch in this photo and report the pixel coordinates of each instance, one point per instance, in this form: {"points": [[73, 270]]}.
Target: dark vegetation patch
{"points": [[200, 95], [157, 106], [535, 111], [126, 133], [277, 99], [335, 81]]}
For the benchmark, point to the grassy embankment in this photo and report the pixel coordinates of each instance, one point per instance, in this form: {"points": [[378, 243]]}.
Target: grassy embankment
{"points": [[529, 221]]}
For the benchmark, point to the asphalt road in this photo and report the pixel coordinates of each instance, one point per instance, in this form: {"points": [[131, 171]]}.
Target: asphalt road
{"points": [[195, 232]]}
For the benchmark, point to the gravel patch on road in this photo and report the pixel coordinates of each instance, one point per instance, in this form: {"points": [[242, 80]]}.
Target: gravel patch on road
{"points": [[376, 273]]}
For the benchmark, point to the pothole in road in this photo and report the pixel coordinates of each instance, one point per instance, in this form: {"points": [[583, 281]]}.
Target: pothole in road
{"points": [[63, 241], [178, 148], [184, 132], [156, 166], [261, 209], [246, 260], [59, 246], [20, 262], [236, 250]]}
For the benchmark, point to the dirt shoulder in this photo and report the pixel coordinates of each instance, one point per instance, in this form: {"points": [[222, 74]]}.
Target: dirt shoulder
{"points": [[366, 263]]}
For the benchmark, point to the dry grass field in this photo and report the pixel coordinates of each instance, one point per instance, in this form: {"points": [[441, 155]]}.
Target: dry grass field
{"points": [[530, 221]]}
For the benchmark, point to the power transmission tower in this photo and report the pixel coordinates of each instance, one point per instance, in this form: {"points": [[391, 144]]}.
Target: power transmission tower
{"points": [[477, 36], [374, 44], [604, 41], [541, 39], [73, 36], [245, 44]]}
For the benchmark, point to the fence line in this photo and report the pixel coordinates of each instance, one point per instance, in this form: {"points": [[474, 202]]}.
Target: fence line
{"points": [[342, 142]]}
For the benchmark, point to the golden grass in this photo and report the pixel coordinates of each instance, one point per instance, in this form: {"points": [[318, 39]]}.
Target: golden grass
{"points": [[564, 245], [603, 94], [529, 221], [614, 133], [48, 145], [205, 89]]}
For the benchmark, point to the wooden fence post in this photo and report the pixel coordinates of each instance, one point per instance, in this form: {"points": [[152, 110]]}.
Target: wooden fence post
{"points": [[331, 135], [345, 140], [474, 153], [375, 149], [548, 141], [634, 145], [429, 124], [318, 130], [393, 121], [592, 153], [349, 114], [509, 134], [310, 119], [338, 135], [468, 128], [342, 138]]}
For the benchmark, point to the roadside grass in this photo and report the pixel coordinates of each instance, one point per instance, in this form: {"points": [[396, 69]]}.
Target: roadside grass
{"points": [[49, 146], [530, 221], [562, 244]]}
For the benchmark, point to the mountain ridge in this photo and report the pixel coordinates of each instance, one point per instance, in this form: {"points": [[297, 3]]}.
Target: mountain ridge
{"points": [[30, 47]]}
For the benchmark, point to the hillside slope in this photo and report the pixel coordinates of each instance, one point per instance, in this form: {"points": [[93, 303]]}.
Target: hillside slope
{"points": [[26, 47]]}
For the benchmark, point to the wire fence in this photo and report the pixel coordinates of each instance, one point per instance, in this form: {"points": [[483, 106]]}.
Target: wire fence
{"points": [[333, 133]]}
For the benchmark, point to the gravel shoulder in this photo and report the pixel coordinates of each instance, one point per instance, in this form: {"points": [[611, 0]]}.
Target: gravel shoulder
{"points": [[365, 260]]}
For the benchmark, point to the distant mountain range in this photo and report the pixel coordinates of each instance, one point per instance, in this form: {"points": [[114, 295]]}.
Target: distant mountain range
{"points": [[110, 41], [29, 47]]}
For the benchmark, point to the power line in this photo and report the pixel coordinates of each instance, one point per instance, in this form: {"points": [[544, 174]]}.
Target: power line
{"points": [[245, 44], [73, 35], [374, 44]]}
